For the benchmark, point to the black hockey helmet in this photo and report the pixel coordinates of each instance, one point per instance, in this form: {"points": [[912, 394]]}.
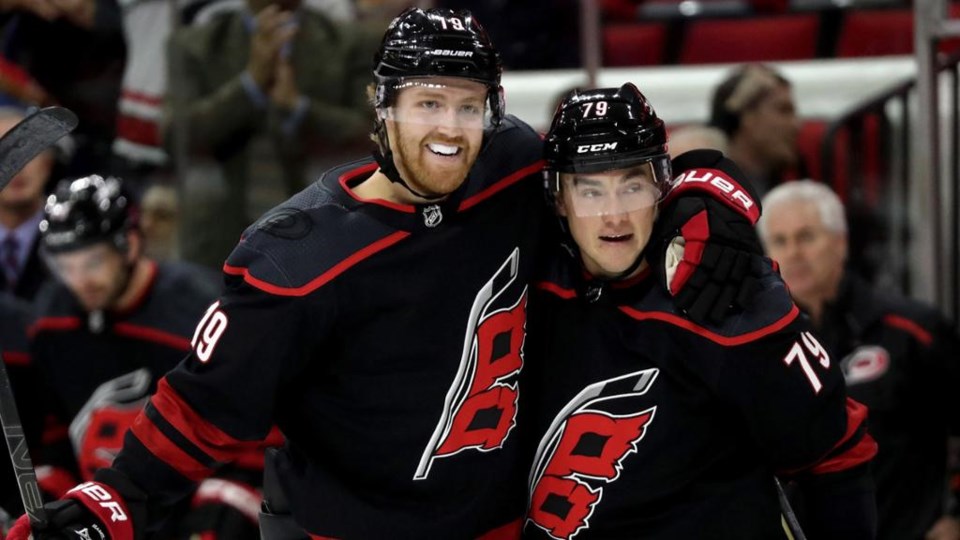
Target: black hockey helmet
{"points": [[85, 211], [602, 130], [437, 43]]}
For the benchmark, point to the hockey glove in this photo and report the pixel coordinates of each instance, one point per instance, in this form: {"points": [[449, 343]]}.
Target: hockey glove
{"points": [[705, 234], [91, 511]]}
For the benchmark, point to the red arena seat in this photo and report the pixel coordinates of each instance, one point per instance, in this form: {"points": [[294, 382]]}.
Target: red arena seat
{"points": [[755, 39], [637, 44], [876, 33]]}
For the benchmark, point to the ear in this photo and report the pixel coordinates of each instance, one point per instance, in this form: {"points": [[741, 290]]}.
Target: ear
{"points": [[134, 246], [561, 206]]}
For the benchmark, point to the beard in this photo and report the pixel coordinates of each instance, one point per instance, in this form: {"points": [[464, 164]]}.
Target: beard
{"points": [[424, 171]]}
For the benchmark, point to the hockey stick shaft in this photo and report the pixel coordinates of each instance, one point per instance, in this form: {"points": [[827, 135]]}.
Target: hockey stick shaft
{"points": [[19, 146], [19, 454], [788, 514]]}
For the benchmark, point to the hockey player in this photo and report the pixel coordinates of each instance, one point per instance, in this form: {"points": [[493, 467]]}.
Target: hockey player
{"points": [[377, 318], [648, 424], [104, 336]]}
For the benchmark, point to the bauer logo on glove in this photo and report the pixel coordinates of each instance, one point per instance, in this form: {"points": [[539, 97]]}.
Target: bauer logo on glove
{"points": [[706, 237]]}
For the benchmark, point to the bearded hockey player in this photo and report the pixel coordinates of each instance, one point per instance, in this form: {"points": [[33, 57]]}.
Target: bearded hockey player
{"points": [[650, 425], [377, 318]]}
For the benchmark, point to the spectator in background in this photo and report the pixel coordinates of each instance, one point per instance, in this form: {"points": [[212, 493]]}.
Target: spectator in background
{"points": [[75, 52], [21, 210], [254, 95], [695, 137], [899, 357], [754, 107], [159, 222]]}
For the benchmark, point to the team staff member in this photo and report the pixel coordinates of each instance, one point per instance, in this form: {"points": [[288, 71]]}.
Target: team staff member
{"points": [[899, 357], [650, 425]]}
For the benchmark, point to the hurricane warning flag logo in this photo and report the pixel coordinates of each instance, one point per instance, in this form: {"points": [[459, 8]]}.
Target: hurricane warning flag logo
{"points": [[584, 449], [480, 409]]}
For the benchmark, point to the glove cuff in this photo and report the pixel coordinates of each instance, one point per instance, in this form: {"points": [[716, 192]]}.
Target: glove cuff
{"points": [[720, 186], [108, 507]]}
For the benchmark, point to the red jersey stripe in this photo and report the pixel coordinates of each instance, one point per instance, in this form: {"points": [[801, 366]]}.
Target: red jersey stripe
{"points": [[198, 430], [54, 324], [500, 185], [345, 178], [155, 335], [166, 450], [728, 341], [566, 294], [14, 358], [863, 451], [323, 278], [910, 327], [510, 531]]}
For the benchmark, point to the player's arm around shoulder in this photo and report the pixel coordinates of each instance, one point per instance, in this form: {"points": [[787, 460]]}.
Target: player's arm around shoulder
{"points": [[794, 399], [789, 388]]}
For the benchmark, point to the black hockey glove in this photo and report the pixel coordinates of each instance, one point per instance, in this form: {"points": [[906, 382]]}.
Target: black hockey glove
{"points": [[90, 511], [705, 235]]}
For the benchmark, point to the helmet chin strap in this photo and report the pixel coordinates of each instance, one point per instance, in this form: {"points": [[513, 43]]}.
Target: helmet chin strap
{"points": [[574, 251], [633, 266], [384, 159]]}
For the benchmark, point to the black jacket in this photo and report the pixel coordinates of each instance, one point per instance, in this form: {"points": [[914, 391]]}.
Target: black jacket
{"points": [[900, 358]]}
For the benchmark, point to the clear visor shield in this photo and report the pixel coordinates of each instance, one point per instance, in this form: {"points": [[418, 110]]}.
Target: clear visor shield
{"points": [[81, 264], [607, 194], [447, 102]]}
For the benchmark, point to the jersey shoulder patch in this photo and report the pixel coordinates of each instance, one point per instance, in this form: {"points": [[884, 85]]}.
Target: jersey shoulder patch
{"points": [[307, 241]]}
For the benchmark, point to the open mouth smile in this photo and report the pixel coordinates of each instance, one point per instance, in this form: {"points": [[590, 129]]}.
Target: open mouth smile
{"points": [[444, 150]]}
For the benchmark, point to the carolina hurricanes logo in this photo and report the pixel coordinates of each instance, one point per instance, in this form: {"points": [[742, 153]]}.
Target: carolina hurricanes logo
{"points": [[865, 364], [98, 429], [585, 446], [480, 408]]}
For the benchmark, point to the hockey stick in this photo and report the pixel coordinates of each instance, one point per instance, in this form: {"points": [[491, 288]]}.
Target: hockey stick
{"points": [[31, 136], [791, 525], [17, 444]]}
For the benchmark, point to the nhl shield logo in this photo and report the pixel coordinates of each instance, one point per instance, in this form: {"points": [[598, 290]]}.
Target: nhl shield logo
{"points": [[432, 216]]}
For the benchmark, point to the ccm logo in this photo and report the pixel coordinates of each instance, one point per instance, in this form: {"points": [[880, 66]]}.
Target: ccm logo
{"points": [[599, 147], [103, 498], [719, 182], [449, 52]]}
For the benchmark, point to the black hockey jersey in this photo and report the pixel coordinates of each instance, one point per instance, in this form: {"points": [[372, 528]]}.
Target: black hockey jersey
{"points": [[385, 340], [650, 426], [901, 359], [88, 362]]}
